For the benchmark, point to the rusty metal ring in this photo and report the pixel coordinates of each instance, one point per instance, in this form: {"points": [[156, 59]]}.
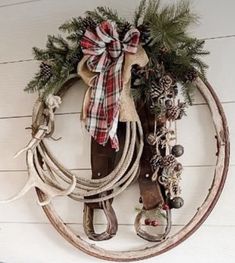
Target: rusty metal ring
{"points": [[220, 174]]}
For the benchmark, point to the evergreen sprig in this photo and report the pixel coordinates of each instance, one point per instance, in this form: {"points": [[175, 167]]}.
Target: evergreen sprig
{"points": [[169, 24], [140, 11], [59, 55], [187, 90], [75, 28], [168, 44]]}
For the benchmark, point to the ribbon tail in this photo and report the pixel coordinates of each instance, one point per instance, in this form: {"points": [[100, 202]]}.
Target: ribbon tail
{"points": [[113, 133]]}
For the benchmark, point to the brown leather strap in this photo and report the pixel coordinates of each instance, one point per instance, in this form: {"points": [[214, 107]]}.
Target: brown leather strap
{"points": [[150, 192], [103, 161]]}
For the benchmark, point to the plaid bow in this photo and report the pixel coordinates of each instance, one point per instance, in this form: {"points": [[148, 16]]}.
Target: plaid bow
{"points": [[106, 57]]}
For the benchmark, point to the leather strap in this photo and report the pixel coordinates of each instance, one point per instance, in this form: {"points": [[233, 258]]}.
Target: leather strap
{"points": [[150, 192], [103, 161]]}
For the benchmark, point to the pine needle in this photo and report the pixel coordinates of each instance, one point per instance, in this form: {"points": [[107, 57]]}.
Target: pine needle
{"points": [[188, 90], [139, 13]]}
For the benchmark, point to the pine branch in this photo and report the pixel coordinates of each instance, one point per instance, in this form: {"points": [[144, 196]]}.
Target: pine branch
{"points": [[40, 54], [74, 37], [57, 45], [169, 24], [139, 13], [54, 87], [187, 90], [170, 47], [151, 10], [60, 42], [96, 16], [110, 14], [73, 25], [182, 16], [200, 65], [32, 85], [75, 28]]}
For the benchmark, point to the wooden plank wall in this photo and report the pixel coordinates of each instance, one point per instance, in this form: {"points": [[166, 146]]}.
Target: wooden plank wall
{"points": [[25, 234]]}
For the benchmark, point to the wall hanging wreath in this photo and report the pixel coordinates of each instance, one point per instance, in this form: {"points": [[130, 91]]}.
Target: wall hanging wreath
{"points": [[134, 73]]}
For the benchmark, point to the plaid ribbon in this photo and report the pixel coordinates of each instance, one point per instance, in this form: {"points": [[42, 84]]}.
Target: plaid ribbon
{"points": [[106, 57]]}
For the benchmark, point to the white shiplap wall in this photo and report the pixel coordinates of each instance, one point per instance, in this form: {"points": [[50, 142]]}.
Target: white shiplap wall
{"points": [[25, 234]]}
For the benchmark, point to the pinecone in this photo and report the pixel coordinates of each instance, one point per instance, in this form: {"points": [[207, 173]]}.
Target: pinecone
{"points": [[165, 82], [163, 162], [89, 23], [176, 112], [161, 88], [145, 34], [45, 70], [167, 161], [123, 29], [191, 75], [155, 91]]}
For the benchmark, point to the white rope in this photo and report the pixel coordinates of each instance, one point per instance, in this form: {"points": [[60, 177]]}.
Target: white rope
{"points": [[53, 179]]}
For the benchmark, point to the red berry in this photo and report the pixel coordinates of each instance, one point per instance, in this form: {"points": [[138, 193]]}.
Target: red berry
{"points": [[147, 222], [165, 207], [154, 223]]}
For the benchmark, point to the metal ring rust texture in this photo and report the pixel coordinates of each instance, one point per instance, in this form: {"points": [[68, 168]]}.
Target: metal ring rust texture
{"points": [[221, 169]]}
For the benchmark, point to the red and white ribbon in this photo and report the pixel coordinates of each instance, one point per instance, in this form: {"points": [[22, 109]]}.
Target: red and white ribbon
{"points": [[106, 57]]}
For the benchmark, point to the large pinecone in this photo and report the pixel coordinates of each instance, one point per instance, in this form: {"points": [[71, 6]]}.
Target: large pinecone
{"points": [[156, 90], [165, 82], [161, 87], [176, 112], [45, 71]]}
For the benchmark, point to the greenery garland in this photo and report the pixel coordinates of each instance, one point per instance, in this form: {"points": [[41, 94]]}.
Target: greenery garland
{"points": [[163, 35]]}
